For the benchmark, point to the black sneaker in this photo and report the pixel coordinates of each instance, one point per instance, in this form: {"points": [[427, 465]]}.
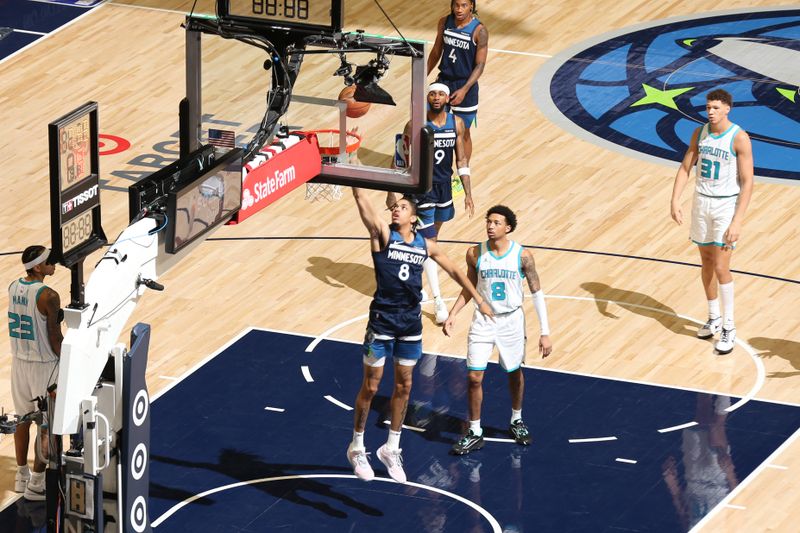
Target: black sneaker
{"points": [[520, 432], [467, 443]]}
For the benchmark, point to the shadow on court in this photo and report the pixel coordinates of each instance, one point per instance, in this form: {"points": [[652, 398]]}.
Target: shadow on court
{"points": [[789, 350], [640, 304], [358, 277], [243, 466]]}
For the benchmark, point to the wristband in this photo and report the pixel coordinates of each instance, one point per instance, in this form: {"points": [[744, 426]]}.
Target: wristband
{"points": [[463, 171], [541, 311]]}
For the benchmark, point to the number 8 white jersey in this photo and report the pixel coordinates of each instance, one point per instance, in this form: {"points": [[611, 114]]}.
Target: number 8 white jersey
{"points": [[500, 278], [717, 169]]}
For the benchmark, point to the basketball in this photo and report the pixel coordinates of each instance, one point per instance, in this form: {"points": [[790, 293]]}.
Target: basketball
{"points": [[354, 109]]}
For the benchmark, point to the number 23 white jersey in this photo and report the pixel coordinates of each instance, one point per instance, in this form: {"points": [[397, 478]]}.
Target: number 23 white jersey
{"points": [[500, 277]]}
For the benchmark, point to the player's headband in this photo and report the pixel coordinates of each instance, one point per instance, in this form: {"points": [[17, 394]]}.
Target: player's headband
{"points": [[439, 87], [38, 260]]}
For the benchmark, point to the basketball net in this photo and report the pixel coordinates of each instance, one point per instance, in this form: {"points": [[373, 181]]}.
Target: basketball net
{"points": [[329, 150]]}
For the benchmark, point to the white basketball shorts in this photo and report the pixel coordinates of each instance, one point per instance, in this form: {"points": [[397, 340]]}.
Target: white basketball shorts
{"points": [[711, 218], [506, 331], [30, 379]]}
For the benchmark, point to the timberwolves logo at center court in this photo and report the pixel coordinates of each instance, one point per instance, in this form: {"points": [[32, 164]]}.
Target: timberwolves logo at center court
{"points": [[643, 89]]}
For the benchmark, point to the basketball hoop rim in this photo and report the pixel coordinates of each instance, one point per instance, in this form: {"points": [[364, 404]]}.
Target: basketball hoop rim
{"points": [[334, 150]]}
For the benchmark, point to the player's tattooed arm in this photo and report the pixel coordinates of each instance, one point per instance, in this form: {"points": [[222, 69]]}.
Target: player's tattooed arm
{"points": [[529, 268]]}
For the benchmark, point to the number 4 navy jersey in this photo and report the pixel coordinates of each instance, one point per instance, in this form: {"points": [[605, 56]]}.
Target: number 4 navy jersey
{"points": [[458, 61], [458, 49], [398, 273]]}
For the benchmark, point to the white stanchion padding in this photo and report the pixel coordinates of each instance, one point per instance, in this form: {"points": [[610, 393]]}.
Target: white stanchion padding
{"points": [[111, 295]]}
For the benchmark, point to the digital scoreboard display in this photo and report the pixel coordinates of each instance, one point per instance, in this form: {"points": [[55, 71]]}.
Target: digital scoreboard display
{"points": [[303, 14], [75, 185]]}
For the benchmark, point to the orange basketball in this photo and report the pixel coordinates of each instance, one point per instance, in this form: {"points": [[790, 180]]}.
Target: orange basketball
{"points": [[354, 109]]}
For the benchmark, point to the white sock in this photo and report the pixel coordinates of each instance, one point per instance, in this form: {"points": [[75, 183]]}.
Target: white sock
{"points": [[432, 273], [726, 295], [516, 415], [358, 441], [393, 442], [24, 470], [713, 308], [37, 478], [475, 427]]}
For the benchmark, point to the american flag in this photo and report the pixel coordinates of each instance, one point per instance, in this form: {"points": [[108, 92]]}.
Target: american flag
{"points": [[222, 138]]}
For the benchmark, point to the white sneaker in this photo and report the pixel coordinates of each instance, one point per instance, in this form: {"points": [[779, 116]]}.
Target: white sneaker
{"points": [[21, 481], [360, 462], [710, 328], [441, 310], [34, 492], [726, 341], [393, 460]]}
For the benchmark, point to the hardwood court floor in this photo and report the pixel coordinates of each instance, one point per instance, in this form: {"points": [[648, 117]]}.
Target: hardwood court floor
{"points": [[296, 266]]}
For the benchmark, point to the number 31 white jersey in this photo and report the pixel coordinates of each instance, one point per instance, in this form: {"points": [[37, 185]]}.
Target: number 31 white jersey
{"points": [[717, 166], [500, 277]]}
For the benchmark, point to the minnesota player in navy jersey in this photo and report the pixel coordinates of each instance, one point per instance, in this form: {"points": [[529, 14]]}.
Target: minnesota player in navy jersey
{"points": [[462, 44], [395, 323], [435, 207]]}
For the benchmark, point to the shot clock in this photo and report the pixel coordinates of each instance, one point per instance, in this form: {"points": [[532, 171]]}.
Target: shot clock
{"points": [[316, 15], [75, 186]]}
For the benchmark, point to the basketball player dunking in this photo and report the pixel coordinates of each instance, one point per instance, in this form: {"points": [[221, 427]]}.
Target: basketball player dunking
{"points": [[395, 323]]}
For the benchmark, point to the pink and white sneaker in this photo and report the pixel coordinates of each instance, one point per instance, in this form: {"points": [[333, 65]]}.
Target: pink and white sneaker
{"points": [[393, 460], [360, 462]]}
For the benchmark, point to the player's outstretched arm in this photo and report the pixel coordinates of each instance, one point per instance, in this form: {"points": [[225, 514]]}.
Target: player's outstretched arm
{"points": [[463, 167], [377, 227], [464, 296], [529, 268], [744, 161], [436, 50], [452, 270], [682, 177]]}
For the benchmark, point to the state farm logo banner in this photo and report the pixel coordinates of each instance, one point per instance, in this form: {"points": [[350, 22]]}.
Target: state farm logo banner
{"points": [[276, 172]]}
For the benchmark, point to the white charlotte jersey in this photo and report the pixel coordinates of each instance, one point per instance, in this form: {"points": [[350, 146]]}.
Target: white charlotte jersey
{"points": [[27, 327], [500, 278], [717, 170]]}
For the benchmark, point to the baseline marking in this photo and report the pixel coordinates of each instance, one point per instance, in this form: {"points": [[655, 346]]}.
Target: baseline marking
{"points": [[497, 439], [592, 439], [336, 402], [745, 482], [411, 428], [676, 428], [489, 518], [29, 32]]}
